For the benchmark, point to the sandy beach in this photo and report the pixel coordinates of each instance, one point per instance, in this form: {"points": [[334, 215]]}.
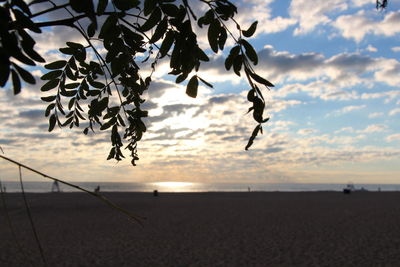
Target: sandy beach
{"points": [[206, 229]]}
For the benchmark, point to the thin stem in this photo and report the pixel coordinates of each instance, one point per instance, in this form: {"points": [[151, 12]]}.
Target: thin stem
{"points": [[10, 225], [100, 197], [28, 211]]}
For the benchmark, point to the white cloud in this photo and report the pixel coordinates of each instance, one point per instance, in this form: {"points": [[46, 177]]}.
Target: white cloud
{"points": [[375, 115], [356, 26], [371, 48], [396, 48], [345, 110], [393, 137], [395, 111], [312, 13], [375, 128]]}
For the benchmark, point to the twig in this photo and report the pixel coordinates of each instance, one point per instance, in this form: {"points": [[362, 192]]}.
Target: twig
{"points": [[10, 225], [28, 211], [137, 218]]}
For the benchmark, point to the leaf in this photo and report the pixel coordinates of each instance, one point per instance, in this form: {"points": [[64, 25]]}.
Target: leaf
{"points": [[261, 80], [212, 34], [126, 4], [52, 75], [109, 123], [48, 98], [237, 64], [170, 9], [166, 44], [4, 71], [67, 50], [191, 88], [149, 6], [160, 30], [49, 109], [96, 84], [253, 136], [181, 78], [50, 85], [101, 7], [201, 55], [25, 22], [28, 49], [222, 38], [205, 82], [71, 85], [152, 21], [251, 30], [52, 122], [91, 29], [16, 82], [250, 52], [25, 75], [56, 65]]}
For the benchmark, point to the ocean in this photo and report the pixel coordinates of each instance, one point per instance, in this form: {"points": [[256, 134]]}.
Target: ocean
{"points": [[44, 187]]}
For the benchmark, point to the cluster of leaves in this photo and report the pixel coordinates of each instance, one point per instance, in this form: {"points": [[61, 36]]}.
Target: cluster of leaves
{"points": [[130, 33], [16, 43]]}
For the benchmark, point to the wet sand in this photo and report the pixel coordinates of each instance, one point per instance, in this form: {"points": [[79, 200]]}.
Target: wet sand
{"points": [[206, 229]]}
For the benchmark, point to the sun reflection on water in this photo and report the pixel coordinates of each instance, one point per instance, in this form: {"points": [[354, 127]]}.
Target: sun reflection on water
{"points": [[173, 186]]}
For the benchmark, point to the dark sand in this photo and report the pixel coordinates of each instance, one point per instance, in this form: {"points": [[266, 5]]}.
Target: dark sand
{"points": [[207, 229]]}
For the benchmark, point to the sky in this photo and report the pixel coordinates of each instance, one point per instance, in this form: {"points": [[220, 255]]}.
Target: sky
{"points": [[334, 110]]}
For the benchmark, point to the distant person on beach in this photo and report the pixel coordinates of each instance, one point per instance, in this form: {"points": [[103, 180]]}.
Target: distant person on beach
{"points": [[97, 189], [55, 187]]}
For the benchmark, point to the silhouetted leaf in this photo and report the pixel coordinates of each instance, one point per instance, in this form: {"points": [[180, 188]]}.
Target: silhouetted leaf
{"points": [[71, 85], [49, 109], [56, 65], [250, 52], [152, 21], [4, 71], [28, 49], [170, 9], [126, 4], [25, 22], [91, 29], [181, 78], [212, 34], [16, 82], [149, 5], [50, 85], [109, 123], [222, 38], [52, 75], [160, 30], [52, 122], [191, 88], [25, 75], [101, 7], [261, 80], [237, 64], [251, 30], [253, 136], [49, 98]]}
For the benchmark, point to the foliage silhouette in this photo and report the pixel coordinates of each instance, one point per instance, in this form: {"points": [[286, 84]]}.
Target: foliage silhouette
{"points": [[132, 32]]}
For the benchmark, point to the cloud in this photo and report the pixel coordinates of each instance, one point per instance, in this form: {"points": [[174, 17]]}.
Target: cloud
{"points": [[357, 26], [312, 13], [394, 112], [371, 48], [396, 48], [375, 115], [345, 110], [392, 138]]}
